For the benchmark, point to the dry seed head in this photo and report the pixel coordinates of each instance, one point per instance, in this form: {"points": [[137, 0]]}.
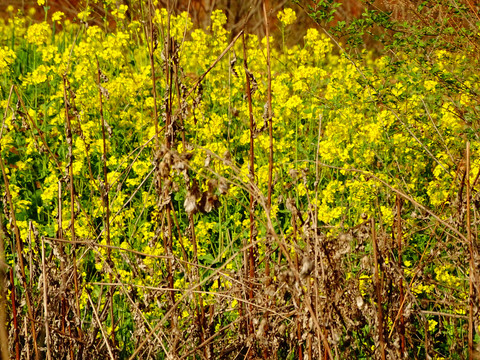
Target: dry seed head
{"points": [[175, 186], [261, 329], [164, 169], [290, 278], [290, 205], [293, 173], [365, 262], [227, 157], [360, 302], [270, 290], [104, 92], [210, 203], [253, 82], [190, 203], [223, 187], [232, 64], [208, 159], [307, 267], [344, 237], [103, 77]]}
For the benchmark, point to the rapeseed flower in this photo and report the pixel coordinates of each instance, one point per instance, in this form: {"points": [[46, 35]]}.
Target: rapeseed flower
{"points": [[57, 16], [120, 11], [287, 16], [38, 34], [7, 58]]}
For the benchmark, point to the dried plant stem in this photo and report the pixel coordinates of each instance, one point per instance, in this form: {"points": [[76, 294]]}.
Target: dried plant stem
{"points": [[269, 105], [93, 244], [169, 48], [105, 336], [4, 351], [266, 7], [62, 258], [196, 276], [378, 291], [151, 47], [309, 346], [19, 250], [45, 301], [6, 111], [472, 263], [69, 138], [297, 269], [251, 260], [179, 230], [168, 141], [315, 228], [15, 317], [400, 266], [104, 193], [27, 344]]}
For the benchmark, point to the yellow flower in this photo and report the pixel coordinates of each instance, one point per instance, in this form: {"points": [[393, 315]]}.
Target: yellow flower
{"points": [[38, 76], [120, 12], [84, 14], [57, 16], [41, 2], [287, 16], [7, 57], [38, 33], [430, 85]]}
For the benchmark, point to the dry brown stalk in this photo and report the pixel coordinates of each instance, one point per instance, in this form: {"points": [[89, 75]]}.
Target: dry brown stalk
{"points": [[104, 335], [250, 265], [378, 291], [269, 104], [69, 169], [45, 300], [400, 265], [266, 7], [62, 259], [16, 331], [151, 48], [196, 277], [19, 251], [104, 193], [471, 262], [4, 350]]}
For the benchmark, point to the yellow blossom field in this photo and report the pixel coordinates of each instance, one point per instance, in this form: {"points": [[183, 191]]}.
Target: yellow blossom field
{"points": [[176, 192]]}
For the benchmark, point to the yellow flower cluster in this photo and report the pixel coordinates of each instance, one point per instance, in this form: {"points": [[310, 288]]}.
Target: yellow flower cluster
{"points": [[38, 34], [7, 58], [287, 16]]}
